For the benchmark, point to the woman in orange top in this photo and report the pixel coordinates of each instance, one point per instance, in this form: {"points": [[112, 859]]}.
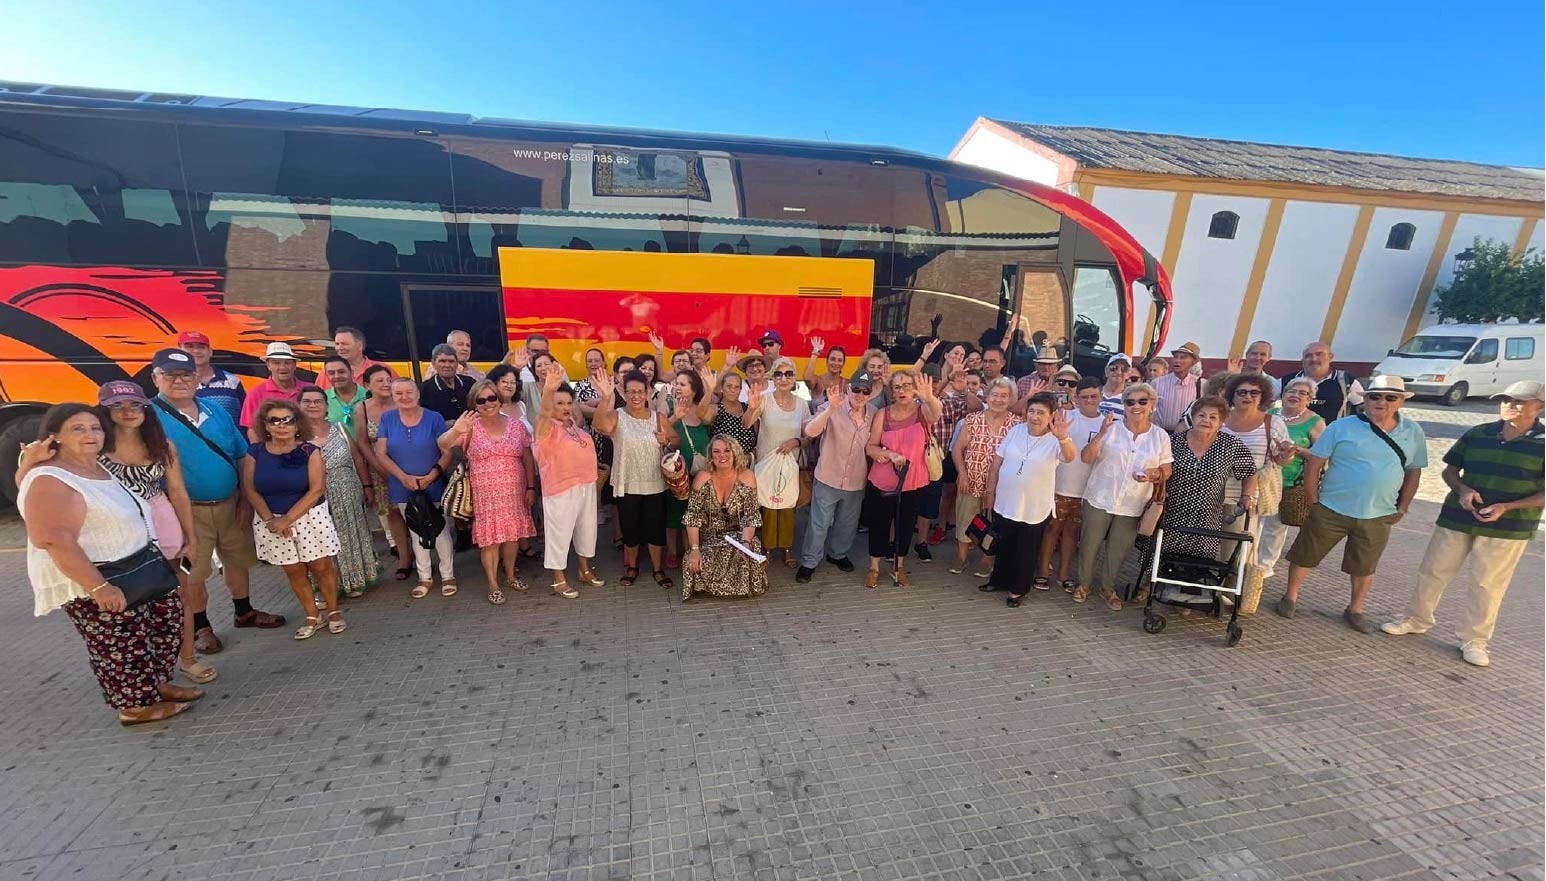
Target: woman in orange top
{"points": [[566, 462]]}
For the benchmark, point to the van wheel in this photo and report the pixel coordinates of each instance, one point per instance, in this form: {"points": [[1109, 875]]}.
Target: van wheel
{"points": [[13, 434], [1454, 396]]}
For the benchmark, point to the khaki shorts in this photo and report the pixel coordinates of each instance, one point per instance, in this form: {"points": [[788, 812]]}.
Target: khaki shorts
{"points": [[217, 530], [1366, 540], [967, 507]]}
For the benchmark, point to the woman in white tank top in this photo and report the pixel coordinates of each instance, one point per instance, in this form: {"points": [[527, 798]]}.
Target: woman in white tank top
{"points": [[78, 515]]}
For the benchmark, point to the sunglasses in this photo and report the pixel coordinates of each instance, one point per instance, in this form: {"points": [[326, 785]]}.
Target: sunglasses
{"points": [[486, 399], [860, 391], [1136, 402], [783, 374], [1514, 402], [1247, 393], [1063, 383], [280, 420], [1383, 397]]}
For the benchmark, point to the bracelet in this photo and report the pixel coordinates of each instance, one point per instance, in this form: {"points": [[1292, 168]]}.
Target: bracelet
{"points": [[93, 590]]}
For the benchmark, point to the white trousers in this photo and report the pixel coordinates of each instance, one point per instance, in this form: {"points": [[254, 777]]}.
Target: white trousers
{"points": [[1269, 549], [569, 518], [1493, 561], [445, 550]]}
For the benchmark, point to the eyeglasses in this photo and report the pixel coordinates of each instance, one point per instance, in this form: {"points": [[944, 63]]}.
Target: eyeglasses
{"points": [[1247, 393], [486, 399], [178, 376], [1136, 402], [130, 406], [1296, 392], [783, 374], [280, 420], [1382, 397]]}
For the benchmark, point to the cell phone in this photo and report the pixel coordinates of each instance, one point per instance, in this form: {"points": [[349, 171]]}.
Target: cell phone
{"points": [[1063, 399], [185, 566]]}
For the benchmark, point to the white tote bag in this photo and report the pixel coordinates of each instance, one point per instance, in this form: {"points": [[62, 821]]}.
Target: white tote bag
{"points": [[778, 481]]}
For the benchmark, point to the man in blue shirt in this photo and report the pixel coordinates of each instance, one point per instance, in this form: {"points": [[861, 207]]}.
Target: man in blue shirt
{"points": [[208, 446], [1371, 463]]}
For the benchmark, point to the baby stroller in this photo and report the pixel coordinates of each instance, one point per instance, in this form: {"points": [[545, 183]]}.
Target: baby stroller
{"points": [[1189, 581]]}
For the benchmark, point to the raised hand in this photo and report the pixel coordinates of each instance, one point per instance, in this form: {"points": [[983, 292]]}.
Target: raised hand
{"points": [[601, 381], [929, 347], [553, 378], [1036, 384], [682, 408], [817, 345], [519, 358], [834, 395], [710, 379], [926, 387], [754, 396], [732, 355], [463, 423], [657, 342], [1235, 364], [1106, 423], [955, 360], [1060, 424], [37, 452]]}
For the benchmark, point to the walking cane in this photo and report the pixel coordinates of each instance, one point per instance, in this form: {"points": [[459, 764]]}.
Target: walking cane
{"points": [[896, 536]]}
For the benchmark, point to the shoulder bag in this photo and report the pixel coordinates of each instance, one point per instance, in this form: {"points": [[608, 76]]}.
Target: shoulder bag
{"points": [[144, 576], [1269, 480], [1389, 442]]}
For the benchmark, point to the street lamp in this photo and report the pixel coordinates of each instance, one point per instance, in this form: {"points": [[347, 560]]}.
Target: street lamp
{"points": [[1463, 260], [742, 246]]}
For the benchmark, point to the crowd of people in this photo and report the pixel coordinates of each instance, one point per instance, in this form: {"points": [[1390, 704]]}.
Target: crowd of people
{"points": [[1044, 479]]}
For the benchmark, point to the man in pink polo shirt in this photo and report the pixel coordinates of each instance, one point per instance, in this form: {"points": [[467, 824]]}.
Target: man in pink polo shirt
{"points": [[281, 383]]}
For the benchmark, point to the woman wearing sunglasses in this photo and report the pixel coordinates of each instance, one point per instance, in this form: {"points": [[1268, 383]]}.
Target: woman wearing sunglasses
{"points": [[502, 476], [782, 426], [900, 473], [284, 480], [1128, 458], [347, 480], [1265, 435]]}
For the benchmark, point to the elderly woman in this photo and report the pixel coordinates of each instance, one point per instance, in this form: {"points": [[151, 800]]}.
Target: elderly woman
{"points": [[1020, 490], [877, 365], [723, 504], [836, 360], [78, 516], [1204, 460], [348, 490], [285, 483], [975, 446], [503, 479], [1128, 459], [639, 434], [408, 450], [736, 418], [900, 474], [377, 380], [566, 459], [780, 431], [1265, 435], [1062, 538], [1304, 428]]}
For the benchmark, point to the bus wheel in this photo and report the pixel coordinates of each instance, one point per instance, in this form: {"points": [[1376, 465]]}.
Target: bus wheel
{"points": [[22, 429], [1454, 396]]}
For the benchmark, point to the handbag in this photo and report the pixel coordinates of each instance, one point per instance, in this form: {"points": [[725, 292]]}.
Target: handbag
{"points": [[424, 518], [1294, 507], [1269, 481], [806, 488], [778, 482], [456, 501], [144, 576], [934, 459], [981, 531], [1150, 520]]}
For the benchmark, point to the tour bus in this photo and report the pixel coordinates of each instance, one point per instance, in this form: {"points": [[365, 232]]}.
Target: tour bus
{"points": [[127, 217]]}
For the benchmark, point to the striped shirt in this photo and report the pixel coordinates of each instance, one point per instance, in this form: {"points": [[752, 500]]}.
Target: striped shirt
{"points": [[1176, 396], [1502, 471], [225, 391]]}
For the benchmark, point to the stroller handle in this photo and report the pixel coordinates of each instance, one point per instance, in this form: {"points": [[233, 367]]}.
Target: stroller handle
{"points": [[1220, 534]]}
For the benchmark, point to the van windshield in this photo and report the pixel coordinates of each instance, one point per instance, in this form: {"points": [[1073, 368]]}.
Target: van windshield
{"points": [[1436, 347]]}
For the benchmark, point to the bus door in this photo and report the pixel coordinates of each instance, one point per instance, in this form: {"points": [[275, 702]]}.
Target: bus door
{"points": [[435, 309], [1042, 302]]}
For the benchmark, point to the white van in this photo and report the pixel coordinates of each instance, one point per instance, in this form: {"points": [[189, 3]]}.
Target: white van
{"points": [[1456, 361]]}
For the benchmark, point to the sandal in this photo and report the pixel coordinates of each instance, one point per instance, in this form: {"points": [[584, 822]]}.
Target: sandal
{"points": [[872, 579], [198, 671], [420, 590], [790, 559], [1068, 586], [662, 579], [630, 575], [153, 713], [403, 573], [309, 629], [588, 577], [1113, 602], [448, 587], [336, 622], [1080, 592], [985, 573], [1041, 583], [496, 597], [179, 694], [563, 589], [899, 578], [1013, 601], [515, 583], [957, 569]]}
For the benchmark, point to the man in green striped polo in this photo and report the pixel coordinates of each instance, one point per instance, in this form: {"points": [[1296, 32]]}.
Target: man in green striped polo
{"points": [[1492, 511]]}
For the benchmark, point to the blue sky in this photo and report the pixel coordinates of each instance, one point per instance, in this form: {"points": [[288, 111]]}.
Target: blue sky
{"points": [[1416, 78]]}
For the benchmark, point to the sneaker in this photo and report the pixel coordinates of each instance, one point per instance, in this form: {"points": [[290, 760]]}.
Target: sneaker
{"points": [[1357, 620], [843, 564], [1475, 653], [1403, 627], [1285, 608], [803, 574], [923, 552], [936, 535]]}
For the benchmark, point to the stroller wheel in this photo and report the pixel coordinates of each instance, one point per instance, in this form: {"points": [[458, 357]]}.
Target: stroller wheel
{"points": [[1153, 623], [1232, 636]]}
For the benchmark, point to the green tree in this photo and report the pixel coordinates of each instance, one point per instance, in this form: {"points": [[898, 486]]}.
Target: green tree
{"points": [[1495, 286]]}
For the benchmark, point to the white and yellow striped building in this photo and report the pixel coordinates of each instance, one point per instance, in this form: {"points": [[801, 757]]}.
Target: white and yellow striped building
{"points": [[1286, 244]]}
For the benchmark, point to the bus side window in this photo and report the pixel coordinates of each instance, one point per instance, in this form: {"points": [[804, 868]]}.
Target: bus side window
{"points": [[1097, 311]]}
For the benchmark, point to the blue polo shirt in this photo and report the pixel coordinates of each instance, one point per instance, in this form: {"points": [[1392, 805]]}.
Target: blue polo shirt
{"points": [[209, 477], [1363, 475]]}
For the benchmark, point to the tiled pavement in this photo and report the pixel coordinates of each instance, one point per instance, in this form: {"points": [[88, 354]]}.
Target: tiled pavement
{"points": [[821, 732]]}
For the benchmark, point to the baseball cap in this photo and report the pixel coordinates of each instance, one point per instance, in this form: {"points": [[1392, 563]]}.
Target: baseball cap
{"points": [[770, 335], [192, 337], [861, 381], [279, 350], [120, 390], [1525, 390], [1119, 356], [172, 359]]}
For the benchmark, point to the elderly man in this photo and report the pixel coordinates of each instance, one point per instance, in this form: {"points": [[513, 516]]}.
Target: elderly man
{"points": [[772, 343], [1360, 478], [343, 392], [446, 390], [208, 446], [837, 493], [349, 342], [1047, 363], [1257, 356], [1177, 390], [1493, 509], [281, 384], [1337, 392], [215, 385], [461, 341]]}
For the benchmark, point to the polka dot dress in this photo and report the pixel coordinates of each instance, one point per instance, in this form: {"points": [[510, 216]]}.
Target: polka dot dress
{"points": [[312, 538]]}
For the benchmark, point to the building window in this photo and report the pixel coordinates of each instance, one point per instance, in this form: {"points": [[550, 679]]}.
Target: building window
{"points": [[1223, 225], [1400, 238]]}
